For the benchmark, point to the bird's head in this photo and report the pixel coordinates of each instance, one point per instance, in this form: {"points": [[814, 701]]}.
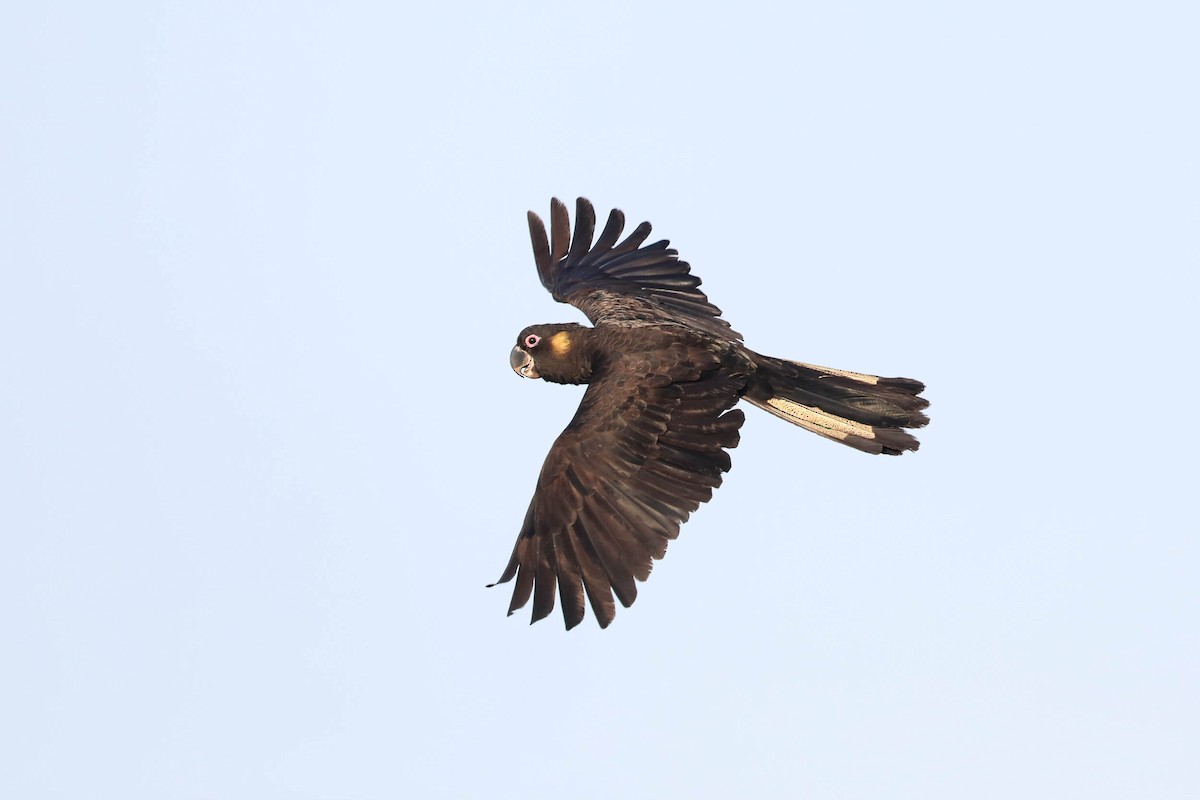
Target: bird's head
{"points": [[552, 352]]}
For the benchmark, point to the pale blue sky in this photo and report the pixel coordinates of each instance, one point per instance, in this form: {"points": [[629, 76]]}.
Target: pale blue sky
{"points": [[261, 449]]}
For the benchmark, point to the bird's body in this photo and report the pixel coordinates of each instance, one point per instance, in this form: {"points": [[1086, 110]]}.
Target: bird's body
{"points": [[648, 443]]}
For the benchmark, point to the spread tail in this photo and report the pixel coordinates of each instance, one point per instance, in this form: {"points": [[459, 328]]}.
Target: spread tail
{"points": [[866, 412]]}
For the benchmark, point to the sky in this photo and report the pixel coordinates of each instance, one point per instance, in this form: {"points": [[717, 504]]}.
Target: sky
{"points": [[261, 449]]}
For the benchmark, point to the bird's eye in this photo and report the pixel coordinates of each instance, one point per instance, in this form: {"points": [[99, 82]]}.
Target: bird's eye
{"points": [[532, 340]]}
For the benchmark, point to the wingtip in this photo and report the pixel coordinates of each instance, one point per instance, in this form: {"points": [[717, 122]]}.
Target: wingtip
{"points": [[541, 246], [560, 230]]}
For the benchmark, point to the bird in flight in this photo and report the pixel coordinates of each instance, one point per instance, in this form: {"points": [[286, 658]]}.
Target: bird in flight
{"points": [[648, 443]]}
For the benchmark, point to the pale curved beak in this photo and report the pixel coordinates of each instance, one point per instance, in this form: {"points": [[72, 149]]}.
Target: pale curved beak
{"points": [[522, 363]]}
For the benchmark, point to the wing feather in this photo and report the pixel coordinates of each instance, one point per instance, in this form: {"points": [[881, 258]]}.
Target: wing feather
{"points": [[592, 573], [630, 282], [541, 249], [523, 563], [634, 240], [608, 237], [570, 581], [619, 553], [560, 230], [646, 448], [585, 226], [544, 579], [657, 520]]}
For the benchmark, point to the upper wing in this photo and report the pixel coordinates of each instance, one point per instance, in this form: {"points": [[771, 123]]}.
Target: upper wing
{"points": [[644, 450], [625, 282]]}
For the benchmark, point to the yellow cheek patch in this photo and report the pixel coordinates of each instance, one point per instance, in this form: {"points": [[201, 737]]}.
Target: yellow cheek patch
{"points": [[560, 344]]}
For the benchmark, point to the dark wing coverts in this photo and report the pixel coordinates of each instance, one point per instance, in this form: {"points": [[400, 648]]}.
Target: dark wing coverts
{"points": [[623, 282]]}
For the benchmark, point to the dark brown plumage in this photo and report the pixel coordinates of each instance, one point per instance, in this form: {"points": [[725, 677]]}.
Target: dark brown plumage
{"points": [[647, 444]]}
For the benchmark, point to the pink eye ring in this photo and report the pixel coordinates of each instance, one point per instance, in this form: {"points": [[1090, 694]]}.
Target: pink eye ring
{"points": [[532, 340]]}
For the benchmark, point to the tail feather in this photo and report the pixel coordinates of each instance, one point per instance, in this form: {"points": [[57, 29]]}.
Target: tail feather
{"points": [[866, 412]]}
